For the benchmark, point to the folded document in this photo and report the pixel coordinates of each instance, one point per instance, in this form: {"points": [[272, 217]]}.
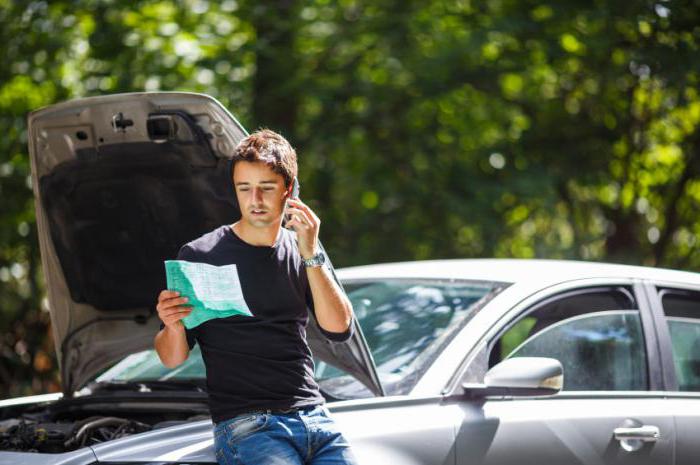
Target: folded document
{"points": [[213, 291]]}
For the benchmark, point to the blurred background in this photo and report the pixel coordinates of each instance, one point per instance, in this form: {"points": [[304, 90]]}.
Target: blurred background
{"points": [[425, 129]]}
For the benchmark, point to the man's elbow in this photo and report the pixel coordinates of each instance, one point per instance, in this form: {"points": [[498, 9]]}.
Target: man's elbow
{"points": [[337, 327], [338, 333], [172, 362], [173, 365]]}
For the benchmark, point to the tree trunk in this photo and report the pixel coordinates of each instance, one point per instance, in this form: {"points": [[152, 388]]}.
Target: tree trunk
{"points": [[275, 94]]}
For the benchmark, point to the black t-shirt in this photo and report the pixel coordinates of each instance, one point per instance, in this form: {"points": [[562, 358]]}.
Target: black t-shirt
{"points": [[263, 361]]}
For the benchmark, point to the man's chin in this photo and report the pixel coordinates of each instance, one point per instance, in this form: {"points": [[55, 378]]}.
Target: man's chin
{"points": [[263, 222]]}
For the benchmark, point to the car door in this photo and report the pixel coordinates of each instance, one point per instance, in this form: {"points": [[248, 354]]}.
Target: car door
{"points": [[677, 314], [408, 322], [611, 409]]}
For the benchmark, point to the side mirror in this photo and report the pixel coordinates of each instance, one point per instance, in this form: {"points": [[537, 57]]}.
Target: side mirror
{"points": [[520, 376]]}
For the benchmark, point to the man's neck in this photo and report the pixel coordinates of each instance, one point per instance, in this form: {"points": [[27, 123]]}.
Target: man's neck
{"points": [[257, 236]]}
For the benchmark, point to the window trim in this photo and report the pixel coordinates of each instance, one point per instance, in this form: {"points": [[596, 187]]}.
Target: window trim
{"points": [[493, 338], [657, 374]]}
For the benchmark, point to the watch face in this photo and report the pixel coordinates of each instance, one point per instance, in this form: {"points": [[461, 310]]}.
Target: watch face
{"points": [[317, 260]]}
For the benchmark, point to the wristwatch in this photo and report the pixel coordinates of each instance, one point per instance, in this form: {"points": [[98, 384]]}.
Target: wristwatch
{"points": [[317, 260]]}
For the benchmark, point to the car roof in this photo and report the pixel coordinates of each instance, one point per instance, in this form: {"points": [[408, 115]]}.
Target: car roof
{"points": [[514, 271]]}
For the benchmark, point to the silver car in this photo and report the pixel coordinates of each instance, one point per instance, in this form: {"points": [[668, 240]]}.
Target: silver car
{"points": [[453, 361]]}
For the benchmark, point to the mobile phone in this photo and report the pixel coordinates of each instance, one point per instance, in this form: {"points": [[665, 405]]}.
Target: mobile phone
{"points": [[294, 195]]}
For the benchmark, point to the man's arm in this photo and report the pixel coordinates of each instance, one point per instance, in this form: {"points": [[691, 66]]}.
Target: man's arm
{"points": [[171, 341], [331, 305]]}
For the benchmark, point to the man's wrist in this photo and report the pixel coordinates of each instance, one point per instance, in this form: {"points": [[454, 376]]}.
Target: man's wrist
{"points": [[177, 327], [306, 255], [315, 260]]}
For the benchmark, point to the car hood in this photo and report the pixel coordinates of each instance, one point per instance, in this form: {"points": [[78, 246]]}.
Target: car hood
{"points": [[121, 182]]}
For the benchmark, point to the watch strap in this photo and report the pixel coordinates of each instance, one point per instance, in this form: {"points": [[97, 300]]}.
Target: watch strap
{"points": [[317, 260]]}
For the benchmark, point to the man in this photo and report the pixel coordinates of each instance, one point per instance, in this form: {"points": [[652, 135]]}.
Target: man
{"points": [[264, 401]]}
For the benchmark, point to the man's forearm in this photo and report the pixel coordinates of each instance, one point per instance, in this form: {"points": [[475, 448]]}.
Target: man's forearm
{"points": [[332, 307], [171, 345]]}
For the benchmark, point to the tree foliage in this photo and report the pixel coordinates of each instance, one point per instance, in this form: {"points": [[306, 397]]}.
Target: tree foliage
{"points": [[425, 129]]}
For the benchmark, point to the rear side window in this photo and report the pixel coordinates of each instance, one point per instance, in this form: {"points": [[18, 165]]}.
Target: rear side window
{"points": [[682, 311], [595, 333]]}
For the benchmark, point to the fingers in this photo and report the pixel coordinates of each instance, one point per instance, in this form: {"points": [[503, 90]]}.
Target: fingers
{"points": [[296, 221], [302, 217], [175, 317], [296, 203], [166, 294], [170, 302], [174, 312], [171, 307], [178, 313]]}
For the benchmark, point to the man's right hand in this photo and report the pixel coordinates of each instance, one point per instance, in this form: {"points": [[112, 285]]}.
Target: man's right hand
{"points": [[171, 308]]}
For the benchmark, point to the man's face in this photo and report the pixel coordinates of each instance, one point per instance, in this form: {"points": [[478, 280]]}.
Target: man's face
{"points": [[261, 193]]}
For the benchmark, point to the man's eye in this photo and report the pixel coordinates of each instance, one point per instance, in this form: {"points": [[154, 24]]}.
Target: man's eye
{"points": [[268, 189], [241, 189]]}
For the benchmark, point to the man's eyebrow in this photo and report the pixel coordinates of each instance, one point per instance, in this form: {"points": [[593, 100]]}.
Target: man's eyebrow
{"points": [[241, 183]]}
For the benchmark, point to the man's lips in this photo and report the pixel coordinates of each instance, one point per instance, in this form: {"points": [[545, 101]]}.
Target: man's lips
{"points": [[258, 212]]}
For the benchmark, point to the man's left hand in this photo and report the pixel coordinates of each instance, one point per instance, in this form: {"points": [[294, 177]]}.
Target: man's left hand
{"points": [[306, 224]]}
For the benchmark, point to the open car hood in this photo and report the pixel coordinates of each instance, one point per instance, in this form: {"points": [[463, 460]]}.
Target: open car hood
{"points": [[120, 183]]}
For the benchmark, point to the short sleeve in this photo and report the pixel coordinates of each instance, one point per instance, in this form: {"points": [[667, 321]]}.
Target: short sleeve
{"points": [[186, 253], [331, 336]]}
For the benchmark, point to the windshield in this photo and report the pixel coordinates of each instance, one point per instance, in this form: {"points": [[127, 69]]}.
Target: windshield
{"points": [[406, 324]]}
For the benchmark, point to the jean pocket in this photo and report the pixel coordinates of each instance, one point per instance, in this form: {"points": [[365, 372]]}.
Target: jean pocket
{"points": [[245, 426]]}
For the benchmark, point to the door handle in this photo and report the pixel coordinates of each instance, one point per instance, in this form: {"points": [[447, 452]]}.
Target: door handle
{"points": [[646, 433], [632, 439]]}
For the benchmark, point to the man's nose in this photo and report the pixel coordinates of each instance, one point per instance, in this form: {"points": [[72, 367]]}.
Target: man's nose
{"points": [[257, 194]]}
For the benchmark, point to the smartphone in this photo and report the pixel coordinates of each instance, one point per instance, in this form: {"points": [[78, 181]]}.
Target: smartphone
{"points": [[295, 195]]}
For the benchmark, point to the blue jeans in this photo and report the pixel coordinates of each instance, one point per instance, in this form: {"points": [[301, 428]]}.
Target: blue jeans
{"points": [[307, 436]]}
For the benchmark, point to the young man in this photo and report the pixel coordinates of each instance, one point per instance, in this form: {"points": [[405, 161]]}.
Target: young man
{"points": [[264, 401]]}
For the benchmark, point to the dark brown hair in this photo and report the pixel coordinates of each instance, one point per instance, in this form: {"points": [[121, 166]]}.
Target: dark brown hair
{"points": [[270, 148]]}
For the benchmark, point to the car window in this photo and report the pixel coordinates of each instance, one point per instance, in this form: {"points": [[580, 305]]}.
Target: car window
{"points": [[146, 365], [406, 324], [682, 311], [601, 351], [595, 333]]}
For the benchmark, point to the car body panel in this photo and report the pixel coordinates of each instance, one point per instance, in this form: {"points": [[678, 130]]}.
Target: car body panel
{"points": [[537, 272], [29, 400], [564, 431], [192, 442], [396, 430], [685, 408], [83, 456]]}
